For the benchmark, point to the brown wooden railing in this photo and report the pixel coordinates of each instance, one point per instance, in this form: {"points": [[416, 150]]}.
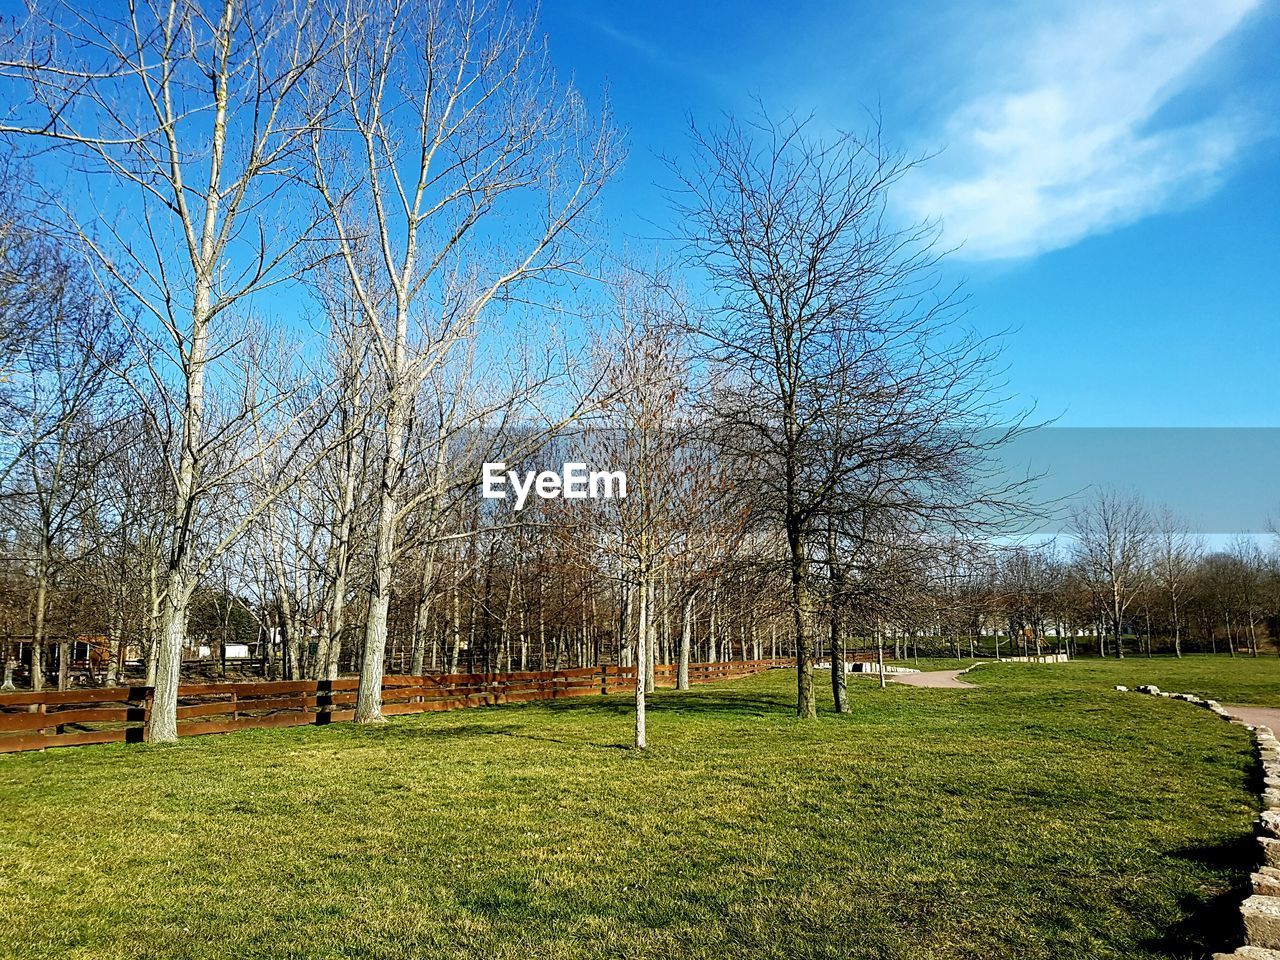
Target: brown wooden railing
{"points": [[664, 674], [53, 718]]}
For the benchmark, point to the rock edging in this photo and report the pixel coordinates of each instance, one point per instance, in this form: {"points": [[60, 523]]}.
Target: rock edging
{"points": [[1261, 909]]}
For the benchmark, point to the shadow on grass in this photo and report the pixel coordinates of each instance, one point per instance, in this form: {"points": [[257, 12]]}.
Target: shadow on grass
{"points": [[395, 731], [460, 731], [1211, 923], [696, 702], [692, 702], [568, 743]]}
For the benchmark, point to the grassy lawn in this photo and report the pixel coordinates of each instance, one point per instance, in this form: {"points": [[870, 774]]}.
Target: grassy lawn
{"points": [[1040, 815], [1242, 680]]}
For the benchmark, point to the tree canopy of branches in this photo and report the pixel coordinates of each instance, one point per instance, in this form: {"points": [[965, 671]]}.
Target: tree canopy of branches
{"points": [[845, 387]]}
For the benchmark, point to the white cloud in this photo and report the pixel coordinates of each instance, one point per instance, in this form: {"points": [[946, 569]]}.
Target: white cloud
{"points": [[1056, 143]]}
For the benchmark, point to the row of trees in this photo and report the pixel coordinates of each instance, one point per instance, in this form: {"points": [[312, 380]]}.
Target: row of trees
{"points": [[279, 278], [1143, 574]]}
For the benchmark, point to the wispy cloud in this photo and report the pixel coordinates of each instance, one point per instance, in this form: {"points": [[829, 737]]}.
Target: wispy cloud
{"points": [[1059, 140], [629, 40]]}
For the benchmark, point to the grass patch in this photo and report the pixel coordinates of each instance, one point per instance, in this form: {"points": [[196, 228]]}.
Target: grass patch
{"points": [[1236, 680], [1021, 819]]}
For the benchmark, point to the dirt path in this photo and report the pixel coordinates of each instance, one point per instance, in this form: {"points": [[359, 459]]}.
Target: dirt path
{"points": [[1258, 716], [944, 679]]}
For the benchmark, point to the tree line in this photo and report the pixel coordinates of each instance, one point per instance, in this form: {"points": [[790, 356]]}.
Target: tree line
{"points": [[278, 279]]}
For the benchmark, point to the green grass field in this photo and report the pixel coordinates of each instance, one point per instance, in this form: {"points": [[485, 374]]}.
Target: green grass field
{"points": [[1242, 679], [1040, 815]]}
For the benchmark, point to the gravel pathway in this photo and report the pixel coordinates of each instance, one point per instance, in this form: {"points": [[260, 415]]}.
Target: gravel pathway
{"points": [[941, 679], [1258, 716]]}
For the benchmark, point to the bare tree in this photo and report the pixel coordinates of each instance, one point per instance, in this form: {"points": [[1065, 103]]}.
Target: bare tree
{"points": [[1175, 556], [1113, 535], [644, 431], [450, 118], [205, 160], [843, 373], [59, 394]]}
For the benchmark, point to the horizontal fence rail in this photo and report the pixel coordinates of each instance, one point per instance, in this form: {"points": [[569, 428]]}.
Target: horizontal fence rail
{"points": [[65, 718], [665, 674]]}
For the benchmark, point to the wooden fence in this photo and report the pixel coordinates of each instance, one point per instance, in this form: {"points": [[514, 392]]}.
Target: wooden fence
{"points": [[53, 718], [664, 674]]}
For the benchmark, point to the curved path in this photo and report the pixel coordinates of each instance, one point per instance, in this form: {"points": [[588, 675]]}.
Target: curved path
{"points": [[944, 679], [1258, 716]]}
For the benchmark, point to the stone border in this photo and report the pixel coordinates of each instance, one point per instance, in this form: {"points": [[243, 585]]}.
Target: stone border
{"points": [[1261, 910]]}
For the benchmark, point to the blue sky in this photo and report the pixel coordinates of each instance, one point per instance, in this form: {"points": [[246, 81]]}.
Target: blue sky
{"points": [[1111, 171]]}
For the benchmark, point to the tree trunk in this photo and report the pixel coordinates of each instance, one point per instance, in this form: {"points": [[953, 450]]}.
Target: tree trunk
{"points": [[369, 691], [686, 640], [65, 649], [115, 649], [713, 636], [1117, 625], [839, 681], [163, 725], [1177, 630], [642, 656], [180, 580], [422, 616], [152, 645], [649, 645], [806, 701], [504, 639], [624, 607], [37, 634]]}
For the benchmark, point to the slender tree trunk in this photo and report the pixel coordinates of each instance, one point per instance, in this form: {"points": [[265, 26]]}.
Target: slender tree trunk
{"points": [[650, 667], [115, 646], [455, 647], [666, 618], [642, 657], [624, 642], [422, 616], [504, 638], [1177, 630], [152, 651], [329, 662], [369, 692], [806, 701], [713, 634], [37, 632], [1117, 625], [65, 648], [839, 682], [524, 636], [686, 641]]}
